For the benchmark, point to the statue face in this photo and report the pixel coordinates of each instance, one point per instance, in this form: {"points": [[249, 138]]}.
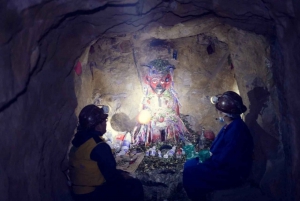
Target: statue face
{"points": [[159, 83]]}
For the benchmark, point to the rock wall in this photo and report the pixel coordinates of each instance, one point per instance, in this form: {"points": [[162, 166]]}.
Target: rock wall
{"points": [[198, 75], [119, 74], [116, 80], [39, 48]]}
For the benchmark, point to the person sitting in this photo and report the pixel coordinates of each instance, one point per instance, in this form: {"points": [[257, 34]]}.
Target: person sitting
{"points": [[92, 166], [231, 153]]}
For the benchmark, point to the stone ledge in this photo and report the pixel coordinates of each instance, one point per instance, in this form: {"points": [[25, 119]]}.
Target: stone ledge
{"points": [[246, 192], [162, 185]]}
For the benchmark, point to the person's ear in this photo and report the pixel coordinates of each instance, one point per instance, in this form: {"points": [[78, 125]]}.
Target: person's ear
{"points": [[98, 126]]}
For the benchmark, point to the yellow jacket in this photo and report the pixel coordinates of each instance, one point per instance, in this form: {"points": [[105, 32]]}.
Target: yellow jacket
{"points": [[84, 172]]}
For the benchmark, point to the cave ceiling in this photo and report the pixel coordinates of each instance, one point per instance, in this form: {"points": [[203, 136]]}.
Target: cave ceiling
{"points": [[50, 28]]}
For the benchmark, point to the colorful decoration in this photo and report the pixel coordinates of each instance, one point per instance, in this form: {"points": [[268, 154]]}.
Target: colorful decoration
{"points": [[78, 68], [162, 103], [208, 134]]}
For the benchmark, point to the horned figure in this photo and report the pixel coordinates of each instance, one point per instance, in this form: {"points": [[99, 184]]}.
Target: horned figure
{"points": [[161, 104]]}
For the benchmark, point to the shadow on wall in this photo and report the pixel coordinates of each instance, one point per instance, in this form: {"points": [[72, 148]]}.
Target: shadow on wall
{"points": [[121, 122], [266, 147]]}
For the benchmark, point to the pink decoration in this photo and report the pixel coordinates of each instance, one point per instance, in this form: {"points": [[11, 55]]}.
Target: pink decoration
{"points": [[208, 134], [78, 68]]}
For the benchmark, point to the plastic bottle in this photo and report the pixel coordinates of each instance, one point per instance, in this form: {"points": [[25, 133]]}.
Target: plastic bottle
{"points": [[178, 153], [159, 153], [147, 152], [182, 151], [172, 151], [108, 136], [108, 141], [153, 151], [202, 140], [121, 153], [126, 142], [189, 150], [118, 142], [203, 154]]}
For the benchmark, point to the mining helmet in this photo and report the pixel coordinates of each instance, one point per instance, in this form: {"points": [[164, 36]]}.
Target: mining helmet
{"points": [[229, 102], [91, 115]]}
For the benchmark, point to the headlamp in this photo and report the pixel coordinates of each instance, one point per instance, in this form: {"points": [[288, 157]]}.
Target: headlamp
{"points": [[105, 108], [214, 99]]}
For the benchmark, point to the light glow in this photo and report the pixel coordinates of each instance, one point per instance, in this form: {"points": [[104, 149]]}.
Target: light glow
{"points": [[214, 99], [144, 117]]}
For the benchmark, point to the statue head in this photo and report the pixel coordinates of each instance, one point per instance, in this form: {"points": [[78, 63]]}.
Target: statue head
{"points": [[159, 77]]}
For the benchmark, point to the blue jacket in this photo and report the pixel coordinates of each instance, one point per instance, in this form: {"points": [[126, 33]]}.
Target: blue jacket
{"points": [[229, 164]]}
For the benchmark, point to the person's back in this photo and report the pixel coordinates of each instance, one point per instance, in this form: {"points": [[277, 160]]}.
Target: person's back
{"points": [[84, 172], [92, 166]]}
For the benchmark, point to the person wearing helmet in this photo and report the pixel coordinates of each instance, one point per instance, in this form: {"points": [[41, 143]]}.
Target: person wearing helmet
{"points": [[92, 166], [231, 152]]}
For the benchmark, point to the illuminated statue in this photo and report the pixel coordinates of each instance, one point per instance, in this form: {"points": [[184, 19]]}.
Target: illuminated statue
{"points": [[161, 105]]}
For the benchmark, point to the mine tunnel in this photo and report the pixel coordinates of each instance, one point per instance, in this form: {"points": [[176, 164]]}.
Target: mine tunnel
{"points": [[58, 56]]}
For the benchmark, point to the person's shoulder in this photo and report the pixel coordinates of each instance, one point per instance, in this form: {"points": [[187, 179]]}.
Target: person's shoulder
{"points": [[100, 149], [238, 124], [239, 121], [242, 126], [102, 145]]}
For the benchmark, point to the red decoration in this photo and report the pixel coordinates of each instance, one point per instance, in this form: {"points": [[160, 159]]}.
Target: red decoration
{"points": [[120, 136], [208, 134], [78, 68], [161, 119]]}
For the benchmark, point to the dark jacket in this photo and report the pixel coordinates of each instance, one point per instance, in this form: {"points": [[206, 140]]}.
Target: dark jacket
{"points": [[230, 163]]}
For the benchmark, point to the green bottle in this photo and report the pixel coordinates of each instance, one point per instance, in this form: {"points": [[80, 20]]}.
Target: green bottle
{"points": [[189, 150]]}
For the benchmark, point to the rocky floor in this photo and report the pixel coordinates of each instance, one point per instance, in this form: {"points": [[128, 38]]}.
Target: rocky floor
{"points": [[163, 184], [246, 192]]}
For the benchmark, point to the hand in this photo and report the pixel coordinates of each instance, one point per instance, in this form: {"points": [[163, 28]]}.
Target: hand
{"points": [[125, 175]]}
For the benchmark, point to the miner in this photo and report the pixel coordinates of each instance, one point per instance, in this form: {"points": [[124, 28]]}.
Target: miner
{"points": [[92, 167], [231, 153]]}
